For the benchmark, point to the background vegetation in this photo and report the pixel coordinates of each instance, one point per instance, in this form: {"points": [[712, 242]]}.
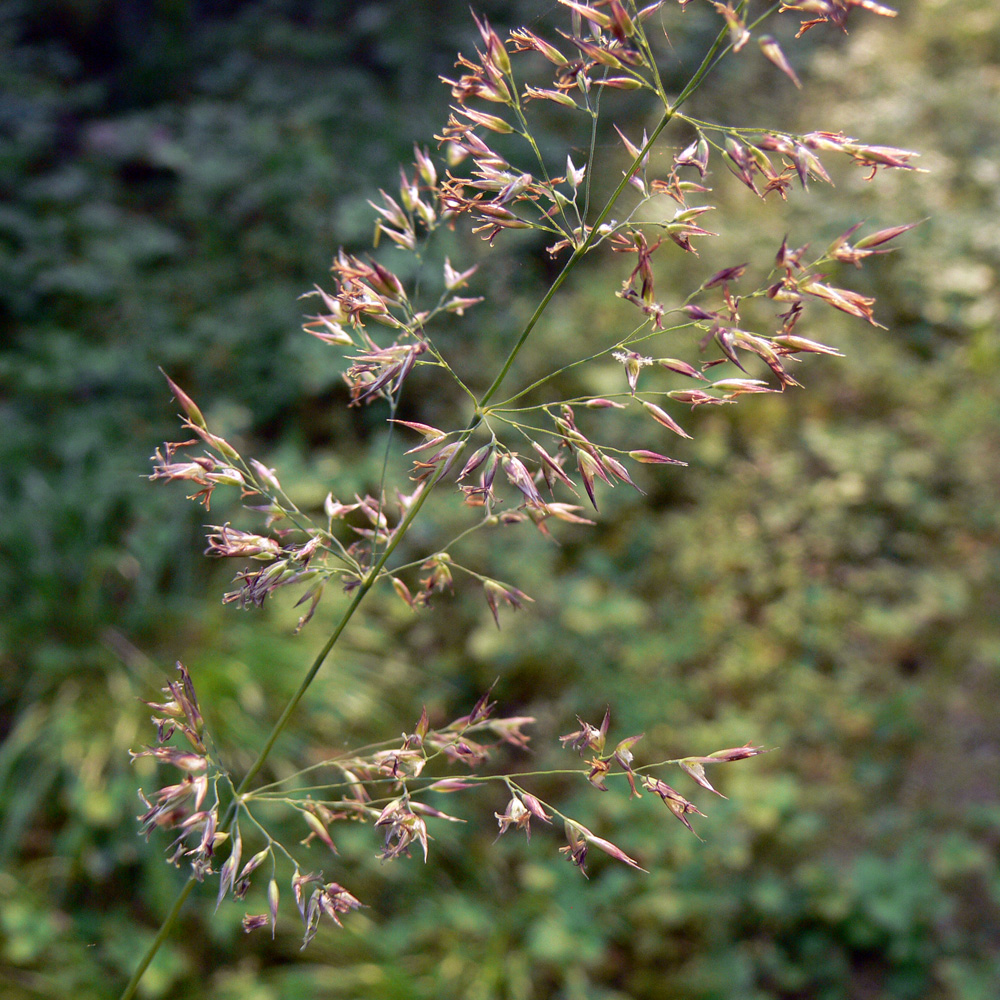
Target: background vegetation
{"points": [[823, 579]]}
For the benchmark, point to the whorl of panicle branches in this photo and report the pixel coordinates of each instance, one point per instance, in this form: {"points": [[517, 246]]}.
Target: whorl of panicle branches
{"points": [[516, 460]]}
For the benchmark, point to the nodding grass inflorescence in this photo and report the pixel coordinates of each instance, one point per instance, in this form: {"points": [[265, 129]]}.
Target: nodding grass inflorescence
{"points": [[524, 459]]}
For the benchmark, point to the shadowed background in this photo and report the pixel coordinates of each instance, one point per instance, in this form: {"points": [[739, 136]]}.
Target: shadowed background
{"points": [[822, 579]]}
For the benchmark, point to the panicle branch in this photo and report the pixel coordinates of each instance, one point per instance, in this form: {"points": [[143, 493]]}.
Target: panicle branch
{"points": [[383, 787]]}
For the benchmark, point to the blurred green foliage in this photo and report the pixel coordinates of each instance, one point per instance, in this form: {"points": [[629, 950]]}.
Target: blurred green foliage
{"points": [[823, 579]]}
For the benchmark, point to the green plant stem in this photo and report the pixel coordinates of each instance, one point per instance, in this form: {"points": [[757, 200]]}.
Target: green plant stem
{"points": [[161, 935]]}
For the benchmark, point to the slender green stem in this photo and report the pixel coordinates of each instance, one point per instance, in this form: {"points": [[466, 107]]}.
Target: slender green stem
{"points": [[595, 113], [627, 339], [387, 452], [165, 928], [716, 53], [478, 526]]}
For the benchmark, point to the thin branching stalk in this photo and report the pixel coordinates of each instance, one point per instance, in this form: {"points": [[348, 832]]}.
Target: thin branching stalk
{"points": [[380, 372]]}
